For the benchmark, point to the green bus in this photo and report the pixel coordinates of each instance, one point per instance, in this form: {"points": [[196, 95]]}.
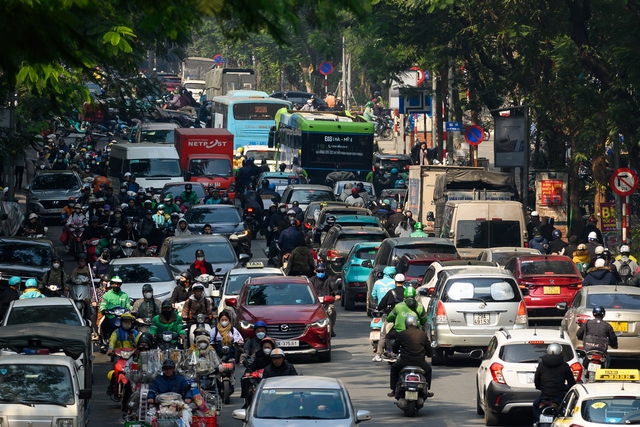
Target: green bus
{"points": [[322, 142]]}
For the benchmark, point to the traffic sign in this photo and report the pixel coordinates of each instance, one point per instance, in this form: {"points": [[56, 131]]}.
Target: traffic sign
{"points": [[454, 126], [624, 182], [325, 68], [421, 75], [474, 135], [218, 59]]}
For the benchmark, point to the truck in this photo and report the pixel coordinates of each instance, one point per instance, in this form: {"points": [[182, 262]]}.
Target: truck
{"points": [[194, 71], [220, 81], [206, 156]]}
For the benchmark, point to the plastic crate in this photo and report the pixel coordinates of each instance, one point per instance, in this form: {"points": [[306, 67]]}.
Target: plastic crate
{"points": [[204, 422]]}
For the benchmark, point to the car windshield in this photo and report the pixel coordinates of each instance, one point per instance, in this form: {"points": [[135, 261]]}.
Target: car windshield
{"points": [[304, 197], [424, 249], [235, 281], [56, 181], [177, 190], [611, 410], [64, 314], [36, 383], [150, 168], [139, 273], [217, 252], [213, 216], [163, 136], [346, 241], [615, 301], [12, 252], [474, 289], [286, 404], [210, 168], [280, 294], [530, 353], [256, 110], [369, 253], [175, 79], [541, 266], [503, 257], [488, 234], [258, 155]]}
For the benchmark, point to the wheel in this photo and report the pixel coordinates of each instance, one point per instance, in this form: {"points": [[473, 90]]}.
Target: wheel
{"points": [[325, 357], [386, 134], [479, 409], [349, 304], [411, 408], [438, 357], [226, 392], [490, 418], [368, 306]]}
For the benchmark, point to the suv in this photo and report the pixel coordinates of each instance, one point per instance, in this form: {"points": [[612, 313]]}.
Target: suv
{"points": [[505, 378], [24, 257], [414, 266], [468, 306], [50, 191], [307, 193], [340, 240], [390, 161], [160, 133], [337, 211], [393, 248]]}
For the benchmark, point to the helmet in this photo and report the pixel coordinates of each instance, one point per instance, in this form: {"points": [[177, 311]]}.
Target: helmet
{"points": [[394, 170], [598, 312], [554, 349], [369, 104], [625, 250], [320, 267], [259, 324], [143, 241], [146, 337], [399, 278], [14, 281], [291, 212], [389, 271], [147, 288], [268, 340], [411, 321], [200, 332], [272, 187], [251, 159], [198, 286], [592, 236], [376, 93], [277, 352], [556, 234], [188, 187], [31, 283], [418, 225], [599, 250], [116, 279], [355, 190], [166, 304], [127, 316], [72, 199], [168, 363], [161, 207], [186, 275], [409, 292], [93, 219], [400, 183], [535, 214], [168, 198]]}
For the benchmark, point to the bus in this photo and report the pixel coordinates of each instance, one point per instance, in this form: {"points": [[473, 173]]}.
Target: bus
{"points": [[322, 142], [247, 114]]}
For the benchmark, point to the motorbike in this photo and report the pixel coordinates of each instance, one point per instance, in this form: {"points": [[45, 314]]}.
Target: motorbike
{"points": [[597, 359], [250, 218], [384, 127], [53, 290], [143, 324], [168, 340], [113, 323], [226, 375], [80, 294], [375, 327], [273, 254], [411, 390], [120, 380], [547, 408], [75, 240], [92, 245], [201, 322], [327, 302], [128, 246], [254, 380], [39, 236]]}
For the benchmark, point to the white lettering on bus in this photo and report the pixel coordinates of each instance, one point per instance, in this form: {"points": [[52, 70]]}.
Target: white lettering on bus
{"points": [[207, 144]]}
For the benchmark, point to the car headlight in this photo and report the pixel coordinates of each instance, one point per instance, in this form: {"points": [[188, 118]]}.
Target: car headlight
{"points": [[323, 323], [243, 233], [246, 325], [64, 422]]}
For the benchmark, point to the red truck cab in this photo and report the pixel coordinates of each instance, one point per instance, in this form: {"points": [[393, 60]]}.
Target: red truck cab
{"points": [[206, 156]]}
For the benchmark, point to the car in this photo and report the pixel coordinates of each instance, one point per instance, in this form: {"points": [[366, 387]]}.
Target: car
{"points": [[170, 81], [338, 188], [393, 248], [280, 179], [180, 252], [50, 190], [312, 213], [336, 211], [549, 279], [137, 271], [225, 220], [414, 266], [50, 310], [294, 315], [395, 196], [504, 381], [196, 87], [260, 152], [622, 305], [307, 193], [613, 399], [24, 257], [502, 255], [468, 306], [235, 278], [160, 133], [177, 188], [178, 117], [390, 161], [354, 274], [300, 99], [321, 401], [340, 240]]}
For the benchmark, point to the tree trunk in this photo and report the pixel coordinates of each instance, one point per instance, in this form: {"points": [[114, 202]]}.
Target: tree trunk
{"points": [[575, 218]]}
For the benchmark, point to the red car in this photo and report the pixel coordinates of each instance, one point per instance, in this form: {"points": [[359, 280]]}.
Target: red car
{"points": [[413, 266], [549, 280], [293, 312]]}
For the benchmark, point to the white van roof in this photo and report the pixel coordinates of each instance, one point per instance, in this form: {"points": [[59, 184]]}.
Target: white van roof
{"points": [[145, 150]]}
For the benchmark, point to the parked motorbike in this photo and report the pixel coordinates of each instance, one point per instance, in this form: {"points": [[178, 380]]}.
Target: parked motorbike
{"points": [[226, 375], [128, 246], [120, 380], [252, 221], [375, 326], [411, 390]]}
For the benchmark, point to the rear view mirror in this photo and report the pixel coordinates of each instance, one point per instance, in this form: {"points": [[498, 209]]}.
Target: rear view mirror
{"points": [[476, 354], [367, 263], [423, 292], [328, 299], [379, 275], [84, 394]]}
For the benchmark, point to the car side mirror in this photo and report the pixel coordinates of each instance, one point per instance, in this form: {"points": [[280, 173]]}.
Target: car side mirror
{"points": [[362, 415], [379, 275], [423, 292], [367, 263], [239, 414], [339, 260], [477, 354], [244, 257], [561, 306], [84, 394], [581, 353], [187, 176]]}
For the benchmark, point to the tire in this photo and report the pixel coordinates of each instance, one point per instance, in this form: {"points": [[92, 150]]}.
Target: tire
{"points": [[226, 392], [349, 304], [386, 134], [411, 409], [479, 408], [325, 357], [490, 418], [438, 358]]}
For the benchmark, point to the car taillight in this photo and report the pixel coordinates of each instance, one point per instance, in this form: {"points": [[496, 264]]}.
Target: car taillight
{"points": [[231, 302], [496, 373], [522, 313], [332, 255], [526, 244], [441, 313], [577, 285], [582, 318], [576, 425], [576, 368]]}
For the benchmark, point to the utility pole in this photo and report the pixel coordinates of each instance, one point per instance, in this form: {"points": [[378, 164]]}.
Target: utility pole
{"points": [[450, 112]]}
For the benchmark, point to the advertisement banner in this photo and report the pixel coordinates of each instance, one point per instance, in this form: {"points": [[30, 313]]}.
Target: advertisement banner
{"points": [[607, 217], [551, 192], [509, 141]]}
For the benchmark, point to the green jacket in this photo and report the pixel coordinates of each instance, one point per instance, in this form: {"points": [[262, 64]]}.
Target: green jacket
{"points": [[111, 300], [400, 313], [191, 199], [159, 325], [419, 233]]}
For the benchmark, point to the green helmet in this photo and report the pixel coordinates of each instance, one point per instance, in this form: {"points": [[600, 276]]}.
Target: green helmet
{"points": [[418, 226], [409, 292], [369, 104]]}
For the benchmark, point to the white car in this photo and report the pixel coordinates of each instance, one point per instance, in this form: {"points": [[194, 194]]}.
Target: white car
{"points": [[235, 279], [505, 379], [137, 271], [259, 152], [50, 310]]}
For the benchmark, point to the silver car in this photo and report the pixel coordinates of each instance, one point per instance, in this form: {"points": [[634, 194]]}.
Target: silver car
{"points": [[468, 306], [298, 400], [503, 254], [137, 271]]}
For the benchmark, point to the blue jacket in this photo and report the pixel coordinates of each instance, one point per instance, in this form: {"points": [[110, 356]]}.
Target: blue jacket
{"points": [[174, 383], [538, 243], [288, 239], [381, 287]]}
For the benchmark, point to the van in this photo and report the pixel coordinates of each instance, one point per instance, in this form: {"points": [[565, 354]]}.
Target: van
{"points": [[475, 225], [153, 165]]}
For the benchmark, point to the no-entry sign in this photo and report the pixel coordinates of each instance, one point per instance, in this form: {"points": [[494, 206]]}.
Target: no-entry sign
{"points": [[624, 182]]}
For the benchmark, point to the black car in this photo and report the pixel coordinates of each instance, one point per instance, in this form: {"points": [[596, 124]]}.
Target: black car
{"points": [[225, 220], [390, 161], [340, 240], [50, 191], [24, 257], [300, 99], [336, 211]]}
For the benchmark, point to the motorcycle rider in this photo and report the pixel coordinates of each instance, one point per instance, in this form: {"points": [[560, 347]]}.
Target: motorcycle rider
{"points": [[56, 275], [188, 196], [405, 226], [252, 199], [260, 361], [413, 345], [33, 226], [557, 245], [146, 225], [142, 248], [214, 197], [553, 377], [403, 309], [239, 248], [288, 238], [200, 265], [380, 289], [183, 228], [599, 275], [278, 366], [82, 269], [538, 242], [116, 220], [169, 381], [596, 334], [146, 307], [224, 334], [125, 336], [625, 265], [253, 344], [326, 286], [128, 232], [354, 198], [167, 320], [301, 261], [181, 292], [102, 263], [111, 299], [31, 290], [418, 230], [9, 295], [196, 304]]}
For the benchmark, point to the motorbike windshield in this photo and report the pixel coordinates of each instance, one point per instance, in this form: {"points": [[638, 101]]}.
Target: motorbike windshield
{"points": [[29, 254], [36, 384], [55, 181], [313, 404], [63, 314], [218, 252]]}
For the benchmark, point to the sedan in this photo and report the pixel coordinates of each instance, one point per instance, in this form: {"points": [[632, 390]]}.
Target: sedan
{"points": [[622, 305], [50, 310], [354, 274], [137, 271], [24, 257], [236, 278], [294, 315], [298, 400], [502, 255], [340, 240], [225, 220]]}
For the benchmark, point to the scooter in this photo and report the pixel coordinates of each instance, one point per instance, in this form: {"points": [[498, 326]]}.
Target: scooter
{"points": [[597, 359], [202, 322], [53, 290], [168, 340], [75, 240], [120, 380], [92, 245], [80, 294], [128, 246], [411, 390], [547, 408], [252, 222], [112, 324], [226, 376], [375, 326], [143, 324]]}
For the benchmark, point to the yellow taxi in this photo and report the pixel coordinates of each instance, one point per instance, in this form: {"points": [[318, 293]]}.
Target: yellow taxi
{"points": [[614, 398]]}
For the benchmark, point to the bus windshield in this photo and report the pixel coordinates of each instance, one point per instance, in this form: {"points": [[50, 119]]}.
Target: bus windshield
{"points": [[255, 110], [150, 168]]}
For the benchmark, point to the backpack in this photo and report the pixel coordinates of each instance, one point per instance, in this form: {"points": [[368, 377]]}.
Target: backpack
{"points": [[625, 271], [582, 267]]}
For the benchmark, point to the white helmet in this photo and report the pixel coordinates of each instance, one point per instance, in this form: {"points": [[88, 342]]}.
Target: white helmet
{"points": [[535, 213], [399, 277], [625, 249], [554, 349]]}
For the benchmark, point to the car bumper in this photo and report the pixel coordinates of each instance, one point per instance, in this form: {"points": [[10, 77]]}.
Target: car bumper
{"points": [[546, 305], [357, 294], [503, 398], [444, 338]]}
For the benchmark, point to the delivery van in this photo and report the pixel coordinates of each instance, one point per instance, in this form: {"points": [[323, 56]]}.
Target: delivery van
{"points": [[153, 165], [474, 225]]}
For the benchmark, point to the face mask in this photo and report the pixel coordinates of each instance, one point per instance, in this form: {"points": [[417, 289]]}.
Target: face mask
{"points": [[142, 247], [116, 289], [260, 335], [283, 210], [200, 258], [224, 323], [105, 256], [321, 274], [56, 265], [126, 327], [266, 351], [203, 345], [148, 295], [166, 314]]}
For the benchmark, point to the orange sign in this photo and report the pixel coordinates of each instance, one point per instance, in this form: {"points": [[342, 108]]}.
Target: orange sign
{"points": [[551, 192]]}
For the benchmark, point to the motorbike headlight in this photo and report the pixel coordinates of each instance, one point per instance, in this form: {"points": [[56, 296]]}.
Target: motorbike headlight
{"points": [[246, 325], [323, 323], [243, 233]]}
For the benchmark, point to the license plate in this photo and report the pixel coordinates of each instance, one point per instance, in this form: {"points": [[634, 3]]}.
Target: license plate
{"points": [[411, 395], [620, 326], [530, 377], [293, 343], [552, 290], [481, 318], [593, 367], [545, 419], [374, 335]]}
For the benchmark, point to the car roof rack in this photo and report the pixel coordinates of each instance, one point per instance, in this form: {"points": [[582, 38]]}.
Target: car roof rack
{"points": [[505, 332]]}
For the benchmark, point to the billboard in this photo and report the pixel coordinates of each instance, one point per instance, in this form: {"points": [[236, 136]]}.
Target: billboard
{"points": [[509, 146]]}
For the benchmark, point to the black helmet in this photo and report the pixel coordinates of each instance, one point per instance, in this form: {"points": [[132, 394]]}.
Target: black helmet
{"points": [[536, 231], [168, 363], [81, 256], [598, 312], [147, 288], [166, 304], [187, 275], [188, 187], [93, 219], [146, 337]]}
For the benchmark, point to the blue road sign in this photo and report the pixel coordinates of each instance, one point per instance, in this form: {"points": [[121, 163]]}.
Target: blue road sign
{"points": [[474, 135], [454, 126], [325, 68]]}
